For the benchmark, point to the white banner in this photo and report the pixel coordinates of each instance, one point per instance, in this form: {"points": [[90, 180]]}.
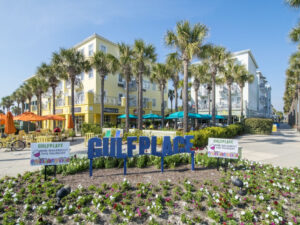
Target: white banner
{"points": [[223, 148], [52, 153]]}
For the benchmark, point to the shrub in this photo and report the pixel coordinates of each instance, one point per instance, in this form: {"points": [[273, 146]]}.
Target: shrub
{"points": [[91, 128], [258, 125]]}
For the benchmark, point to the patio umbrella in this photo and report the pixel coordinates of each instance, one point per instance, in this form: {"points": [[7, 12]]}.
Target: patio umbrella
{"points": [[9, 124], [54, 117], [29, 116], [208, 116], [178, 115], [130, 116], [151, 116], [2, 119], [70, 122]]}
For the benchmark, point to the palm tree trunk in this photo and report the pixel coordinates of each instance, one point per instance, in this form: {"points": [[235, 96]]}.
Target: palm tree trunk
{"points": [[208, 102], [53, 105], [298, 125], [197, 108], [162, 105], [242, 103], [127, 104], [102, 101], [29, 104], [40, 109], [229, 105], [140, 108], [72, 99], [185, 96], [23, 106], [171, 100], [176, 104], [213, 110]]}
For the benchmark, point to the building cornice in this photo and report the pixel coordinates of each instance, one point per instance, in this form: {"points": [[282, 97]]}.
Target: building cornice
{"points": [[248, 51], [91, 38]]}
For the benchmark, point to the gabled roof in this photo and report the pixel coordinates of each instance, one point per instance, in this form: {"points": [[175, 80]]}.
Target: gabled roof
{"points": [[247, 51], [93, 36]]}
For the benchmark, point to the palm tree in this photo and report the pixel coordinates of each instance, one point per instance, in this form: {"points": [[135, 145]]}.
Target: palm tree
{"points": [[230, 70], [104, 63], [72, 63], [16, 97], [52, 74], [187, 40], [144, 55], [171, 96], [39, 86], [22, 94], [125, 64], [293, 3], [161, 74], [28, 93], [7, 102], [215, 56], [200, 73], [242, 76]]}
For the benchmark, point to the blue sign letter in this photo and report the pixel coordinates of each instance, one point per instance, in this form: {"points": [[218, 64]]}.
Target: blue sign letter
{"points": [[144, 143], [130, 146]]}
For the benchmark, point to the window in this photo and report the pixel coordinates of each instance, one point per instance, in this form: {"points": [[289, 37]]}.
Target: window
{"points": [[103, 48], [81, 51], [105, 77], [91, 74], [120, 79], [120, 98], [154, 86], [68, 84], [153, 102], [91, 91], [106, 119], [145, 101], [132, 100], [91, 49], [146, 84], [165, 104]]}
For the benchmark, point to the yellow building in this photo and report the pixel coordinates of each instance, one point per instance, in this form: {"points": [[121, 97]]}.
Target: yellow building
{"points": [[87, 95]]}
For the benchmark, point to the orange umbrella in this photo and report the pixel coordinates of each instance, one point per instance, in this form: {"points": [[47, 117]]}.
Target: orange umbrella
{"points": [[2, 119], [70, 123], [9, 124], [29, 116], [54, 117]]}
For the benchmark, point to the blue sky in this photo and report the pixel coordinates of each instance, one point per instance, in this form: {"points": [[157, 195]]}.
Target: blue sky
{"points": [[32, 30]]}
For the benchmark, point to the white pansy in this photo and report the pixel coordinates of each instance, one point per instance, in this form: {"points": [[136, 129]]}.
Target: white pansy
{"points": [[269, 208], [243, 213]]}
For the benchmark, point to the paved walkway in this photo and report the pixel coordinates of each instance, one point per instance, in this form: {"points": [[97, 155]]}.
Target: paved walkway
{"points": [[281, 148]]}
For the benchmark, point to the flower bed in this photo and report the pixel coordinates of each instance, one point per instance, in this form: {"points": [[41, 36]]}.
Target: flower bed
{"points": [[273, 196]]}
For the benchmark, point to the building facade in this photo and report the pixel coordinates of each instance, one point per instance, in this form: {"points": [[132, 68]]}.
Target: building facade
{"points": [[87, 92], [256, 95]]}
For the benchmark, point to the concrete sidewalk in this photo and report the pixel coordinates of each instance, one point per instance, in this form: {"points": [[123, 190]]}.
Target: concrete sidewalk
{"points": [[281, 148]]}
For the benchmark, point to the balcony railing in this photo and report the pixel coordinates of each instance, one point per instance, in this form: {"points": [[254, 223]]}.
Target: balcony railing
{"points": [[108, 100]]}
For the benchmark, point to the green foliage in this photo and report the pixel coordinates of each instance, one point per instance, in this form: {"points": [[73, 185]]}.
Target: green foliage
{"points": [[258, 125], [91, 128], [201, 136]]}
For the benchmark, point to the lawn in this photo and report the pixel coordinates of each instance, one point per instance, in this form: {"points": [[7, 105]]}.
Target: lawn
{"points": [[146, 196]]}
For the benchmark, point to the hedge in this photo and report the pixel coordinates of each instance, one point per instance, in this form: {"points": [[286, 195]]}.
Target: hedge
{"points": [[258, 125], [201, 136]]}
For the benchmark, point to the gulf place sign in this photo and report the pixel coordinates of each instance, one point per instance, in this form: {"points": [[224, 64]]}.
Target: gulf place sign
{"points": [[112, 147]]}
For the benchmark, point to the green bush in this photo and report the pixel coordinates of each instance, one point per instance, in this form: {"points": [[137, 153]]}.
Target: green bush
{"points": [[91, 128], [201, 136], [258, 125]]}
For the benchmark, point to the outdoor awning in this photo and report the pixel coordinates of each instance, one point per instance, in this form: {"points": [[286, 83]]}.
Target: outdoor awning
{"points": [[123, 116], [151, 116]]}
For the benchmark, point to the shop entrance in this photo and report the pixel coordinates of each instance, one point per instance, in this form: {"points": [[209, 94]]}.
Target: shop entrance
{"points": [[78, 123]]}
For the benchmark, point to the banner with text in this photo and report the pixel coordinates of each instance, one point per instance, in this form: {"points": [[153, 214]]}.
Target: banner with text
{"points": [[52, 153], [223, 148]]}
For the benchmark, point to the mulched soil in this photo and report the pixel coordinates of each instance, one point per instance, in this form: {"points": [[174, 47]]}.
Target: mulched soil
{"points": [[141, 175]]}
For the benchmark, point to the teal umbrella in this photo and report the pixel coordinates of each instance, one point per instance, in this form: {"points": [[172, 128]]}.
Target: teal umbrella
{"points": [[151, 116], [208, 116], [130, 116], [178, 115]]}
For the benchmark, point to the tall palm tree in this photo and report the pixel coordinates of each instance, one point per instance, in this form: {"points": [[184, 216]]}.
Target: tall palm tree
{"points": [[242, 76], [27, 88], [125, 65], [230, 70], [22, 94], [72, 63], [144, 55], [171, 96], [201, 75], [187, 40], [39, 86], [216, 57], [7, 102], [103, 63], [293, 3], [161, 74], [16, 97], [52, 74]]}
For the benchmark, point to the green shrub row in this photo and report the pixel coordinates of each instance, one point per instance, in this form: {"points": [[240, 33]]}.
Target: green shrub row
{"points": [[258, 125], [201, 136], [91, 128]]}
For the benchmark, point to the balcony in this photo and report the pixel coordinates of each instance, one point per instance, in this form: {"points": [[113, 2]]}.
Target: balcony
{"points": [[108, 100], [121, 84]]}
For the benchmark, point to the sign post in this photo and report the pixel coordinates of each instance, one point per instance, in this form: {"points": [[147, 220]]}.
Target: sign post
{"points": [[50, 154]]}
